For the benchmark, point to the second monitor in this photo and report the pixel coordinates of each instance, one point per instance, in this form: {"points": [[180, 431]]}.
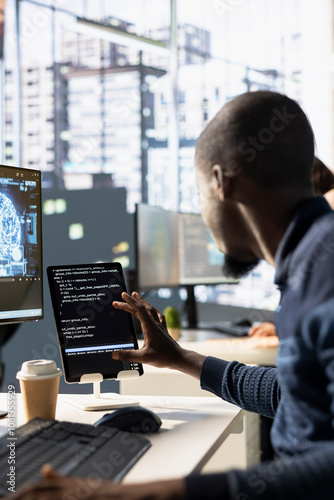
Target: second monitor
{"points": [[176, 249]]}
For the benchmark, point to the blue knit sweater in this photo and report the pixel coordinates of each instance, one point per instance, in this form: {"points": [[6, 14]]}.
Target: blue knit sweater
{"points": [[299, 394]]}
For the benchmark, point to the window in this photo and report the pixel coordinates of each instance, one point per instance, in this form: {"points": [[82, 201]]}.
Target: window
{"points": [[104, 100]]}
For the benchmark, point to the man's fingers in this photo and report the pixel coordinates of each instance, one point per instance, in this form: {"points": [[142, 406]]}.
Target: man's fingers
{"points": [[126, 305], [123, 355], [152, 311], [137, 306], [130, 304], [162, 320], [140, 299], [265, 329], [253, 330], [49, 472]]}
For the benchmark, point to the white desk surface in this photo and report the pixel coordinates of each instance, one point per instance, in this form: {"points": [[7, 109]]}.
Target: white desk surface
{"points": [[192, 429]]}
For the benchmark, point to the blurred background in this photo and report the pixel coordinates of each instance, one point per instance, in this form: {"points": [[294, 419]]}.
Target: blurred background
{"points": [[107, 98]]}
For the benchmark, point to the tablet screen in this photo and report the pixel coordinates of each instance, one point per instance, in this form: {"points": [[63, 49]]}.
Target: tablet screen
{"points": [[89, 328]]}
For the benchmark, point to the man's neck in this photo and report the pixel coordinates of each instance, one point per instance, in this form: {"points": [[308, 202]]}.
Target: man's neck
{"points": [[269, 218]]}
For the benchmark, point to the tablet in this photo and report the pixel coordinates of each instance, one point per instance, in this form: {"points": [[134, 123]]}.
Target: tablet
{"points": [[89, 328]]}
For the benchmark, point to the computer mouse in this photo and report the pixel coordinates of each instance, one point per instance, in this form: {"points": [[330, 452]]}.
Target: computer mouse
{"points": [[132, 419], [242, 322]]}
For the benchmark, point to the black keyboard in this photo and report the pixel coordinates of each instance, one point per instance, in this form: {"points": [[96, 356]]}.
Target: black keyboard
{"points": [[71, 448]]}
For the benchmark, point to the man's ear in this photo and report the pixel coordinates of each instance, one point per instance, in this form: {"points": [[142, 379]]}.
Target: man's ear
{"points": [[222, 183]]}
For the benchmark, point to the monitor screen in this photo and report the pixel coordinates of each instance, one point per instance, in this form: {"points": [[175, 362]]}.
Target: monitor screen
{"points": [[156, 247], [200, 260], [175, 249], [89, 328], [21, 287]]}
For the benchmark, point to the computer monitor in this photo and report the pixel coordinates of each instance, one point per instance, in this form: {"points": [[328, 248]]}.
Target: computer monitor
{"points": [[156, 247], [21, 278], [176, 249], [200, 260]]}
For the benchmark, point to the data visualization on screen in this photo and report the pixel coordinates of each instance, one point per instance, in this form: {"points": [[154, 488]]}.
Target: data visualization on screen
{"points": [[21, 296]]}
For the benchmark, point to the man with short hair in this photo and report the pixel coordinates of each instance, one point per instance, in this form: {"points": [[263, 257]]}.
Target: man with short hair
{"points": [[253, 165]]}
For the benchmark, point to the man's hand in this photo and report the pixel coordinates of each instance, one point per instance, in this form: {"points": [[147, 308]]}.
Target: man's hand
{"points": [[263, 335], [159, 349], [56, 487], [265, 329]]}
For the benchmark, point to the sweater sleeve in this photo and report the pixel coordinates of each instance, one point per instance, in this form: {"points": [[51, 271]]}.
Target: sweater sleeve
{"points": [[253, 388]]}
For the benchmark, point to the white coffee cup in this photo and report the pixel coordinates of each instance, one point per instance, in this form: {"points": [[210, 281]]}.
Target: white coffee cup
{"points": [[39, 382]]}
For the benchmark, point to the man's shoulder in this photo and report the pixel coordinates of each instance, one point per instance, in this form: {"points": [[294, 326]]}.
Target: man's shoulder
{"points": [[309, 276], [318, 241], [323, 224], [312, 265]]}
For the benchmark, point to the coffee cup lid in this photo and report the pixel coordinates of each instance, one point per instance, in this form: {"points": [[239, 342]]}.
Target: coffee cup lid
{"points": [[38, 369]]}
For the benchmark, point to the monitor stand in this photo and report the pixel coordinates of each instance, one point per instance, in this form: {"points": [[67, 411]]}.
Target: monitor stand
{"points": [[105, 400], [191, 309]]}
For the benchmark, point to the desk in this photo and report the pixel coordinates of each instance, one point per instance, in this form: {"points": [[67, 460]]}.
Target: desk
{"points": [[211, 343], [192, 430]]}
